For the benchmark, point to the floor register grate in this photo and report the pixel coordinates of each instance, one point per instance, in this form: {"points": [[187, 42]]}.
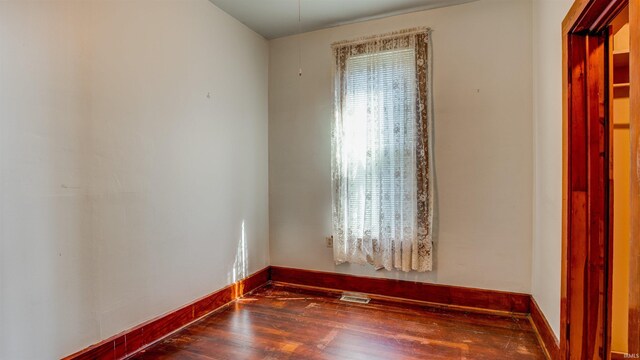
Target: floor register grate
{"points": [[355, 298]]}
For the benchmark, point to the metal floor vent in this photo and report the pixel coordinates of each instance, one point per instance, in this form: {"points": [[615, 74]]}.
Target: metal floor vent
{"points": [[355, 298]]}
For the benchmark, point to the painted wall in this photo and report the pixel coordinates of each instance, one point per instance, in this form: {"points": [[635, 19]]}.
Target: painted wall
{"points": [[547, 130], [483, 145], [126, 190], [46, 256]]}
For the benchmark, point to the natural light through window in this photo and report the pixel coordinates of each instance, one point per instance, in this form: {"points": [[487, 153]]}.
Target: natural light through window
{"points": [[381, 178], [380, 114]]}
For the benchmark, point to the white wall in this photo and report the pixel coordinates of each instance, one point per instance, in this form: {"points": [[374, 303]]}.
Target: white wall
{"points": [[126, 191], [46, 265], [547, 234], [483, 145]]}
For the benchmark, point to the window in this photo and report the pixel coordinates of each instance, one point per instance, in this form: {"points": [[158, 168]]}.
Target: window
{"points": [[381, 167]]}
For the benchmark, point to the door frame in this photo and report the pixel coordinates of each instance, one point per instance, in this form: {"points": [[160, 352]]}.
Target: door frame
{"points": [[634, 97], [586, 207]]}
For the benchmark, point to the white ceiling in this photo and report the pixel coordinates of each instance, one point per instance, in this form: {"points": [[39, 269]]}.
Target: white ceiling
{"points": [[277, 18]]}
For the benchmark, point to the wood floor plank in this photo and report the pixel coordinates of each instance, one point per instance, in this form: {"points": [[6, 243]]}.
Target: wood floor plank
{"points": [[279, 322]]}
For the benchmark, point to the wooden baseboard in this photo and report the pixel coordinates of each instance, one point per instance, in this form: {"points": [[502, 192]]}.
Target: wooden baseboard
{"points": [[141, 336], [470, 298], [544, 332]]}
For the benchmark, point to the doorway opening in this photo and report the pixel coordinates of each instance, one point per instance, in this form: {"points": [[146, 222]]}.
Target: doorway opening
{"points": [[600, 290]]}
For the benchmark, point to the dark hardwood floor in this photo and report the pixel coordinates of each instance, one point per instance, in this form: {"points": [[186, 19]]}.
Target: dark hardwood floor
{"points": [[278, 322]]}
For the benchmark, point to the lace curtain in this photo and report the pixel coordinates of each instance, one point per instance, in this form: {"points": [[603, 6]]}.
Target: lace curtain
{"points": [[381, 151]]}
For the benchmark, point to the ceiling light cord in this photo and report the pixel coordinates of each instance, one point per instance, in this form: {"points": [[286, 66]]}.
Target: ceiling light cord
{"points": [[299, 38]]}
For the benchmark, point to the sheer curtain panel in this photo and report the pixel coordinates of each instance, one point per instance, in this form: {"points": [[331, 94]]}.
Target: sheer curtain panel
{"points": [[381, 151]]}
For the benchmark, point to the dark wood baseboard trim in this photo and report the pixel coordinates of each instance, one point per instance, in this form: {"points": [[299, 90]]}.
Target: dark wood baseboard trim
{"points": [[545, 334], [141, 336], [455, 296], [390, 300]]}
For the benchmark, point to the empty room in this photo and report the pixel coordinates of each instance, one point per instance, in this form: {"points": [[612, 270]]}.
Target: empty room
{"points": [[319, 179]]}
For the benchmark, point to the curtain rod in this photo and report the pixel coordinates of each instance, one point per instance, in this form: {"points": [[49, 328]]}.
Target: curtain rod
{"points": [[398, 33]]}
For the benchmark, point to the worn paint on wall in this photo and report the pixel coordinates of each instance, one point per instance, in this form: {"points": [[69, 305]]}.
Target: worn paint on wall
{"points": [[134, 165], [483, 145]]}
